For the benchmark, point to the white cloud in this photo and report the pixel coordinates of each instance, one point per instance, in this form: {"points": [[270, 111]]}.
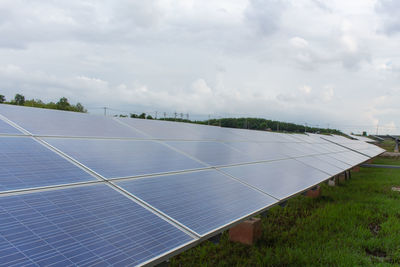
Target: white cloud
{"points": [[305, 61], [298, 42]]}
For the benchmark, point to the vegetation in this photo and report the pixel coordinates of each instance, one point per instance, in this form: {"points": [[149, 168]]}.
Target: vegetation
{"points": [[62, 104], [354, 224], [388, 145]]}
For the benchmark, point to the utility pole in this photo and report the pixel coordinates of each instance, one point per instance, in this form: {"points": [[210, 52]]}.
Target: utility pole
{"points": [[187, 116], [181, 116], [165, 115], [305, 127], [105, 111], [175, 114], [156, 115]]}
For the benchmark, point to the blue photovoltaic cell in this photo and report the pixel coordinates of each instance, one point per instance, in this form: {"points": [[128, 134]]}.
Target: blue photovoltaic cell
{"points": [[213, 153], [180, 131], [162, 129], [81, 226], [349, 157], [204, 132], [320, 164], [123, 158], [261, 151], [24, 163], [6, 128], [262, 136], [333, 161], [65, 123], [203, 201], [356, 156], [280, 179]]}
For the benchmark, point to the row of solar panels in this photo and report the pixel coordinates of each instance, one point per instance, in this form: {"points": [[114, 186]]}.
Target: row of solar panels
{"points": [[43, 122], [107, 201]]}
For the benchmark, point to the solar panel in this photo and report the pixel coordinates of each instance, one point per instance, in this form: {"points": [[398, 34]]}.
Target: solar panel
{"points": [[180, 131], [320, 164], [280, 179], [82, 226], [351, 158], [329, 148], [161, 129], [302, 138], [212, 153], [333, 161], [24, 163], [306, 149], [203, 201], [6, 128], [123, 158], [260, 151], [363, 138], [204, 132], [262, 136], [65, 123]]}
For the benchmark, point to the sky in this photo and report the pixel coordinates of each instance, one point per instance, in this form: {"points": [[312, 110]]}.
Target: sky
{"points": [[328, 63]]}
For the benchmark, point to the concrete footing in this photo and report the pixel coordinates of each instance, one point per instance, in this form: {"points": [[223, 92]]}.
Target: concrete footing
{"points": [[341, 177], [355, 169], [314, 192], [246, 232]]}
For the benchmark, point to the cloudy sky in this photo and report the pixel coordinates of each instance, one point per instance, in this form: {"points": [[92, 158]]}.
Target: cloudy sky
{"points": [[327, 63]]}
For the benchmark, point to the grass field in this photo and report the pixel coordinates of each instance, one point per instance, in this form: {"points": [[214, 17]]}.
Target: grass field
{"points": [[387, 144], [354, 224], [387, 161]]}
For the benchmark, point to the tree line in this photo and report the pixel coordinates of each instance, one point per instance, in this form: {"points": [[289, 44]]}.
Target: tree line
{"points": [[248, 123], [62, 104]]}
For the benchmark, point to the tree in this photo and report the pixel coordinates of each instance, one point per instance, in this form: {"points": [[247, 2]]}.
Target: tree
{"points": [[142, 116], [149, 117], [63, 104], [2, 99], [19, 99], [80, 108]]}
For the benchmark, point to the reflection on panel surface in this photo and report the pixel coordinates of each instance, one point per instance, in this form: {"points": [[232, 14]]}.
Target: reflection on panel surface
{"points": [[122, 158], [202, 201], [63, 123], [280, 179], [213, 153]]}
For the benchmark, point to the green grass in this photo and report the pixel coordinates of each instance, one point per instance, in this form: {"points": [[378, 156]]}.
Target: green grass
{"points": [[354, 224], [387, 161], [388, 145]]}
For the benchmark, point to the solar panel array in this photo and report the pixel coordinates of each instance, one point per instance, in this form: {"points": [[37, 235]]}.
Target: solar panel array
{"points": [[79, 189], [363, 138]]}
